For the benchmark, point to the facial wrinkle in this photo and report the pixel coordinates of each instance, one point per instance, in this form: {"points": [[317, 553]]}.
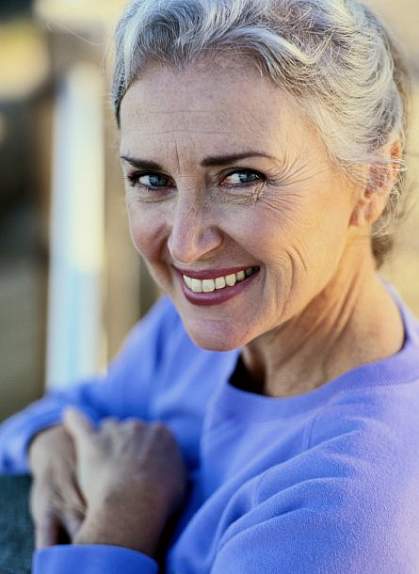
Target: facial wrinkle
{"points": [[247, 196], [286, 186], [177, 158], [293, 275], [299, 170], [300, 258]]}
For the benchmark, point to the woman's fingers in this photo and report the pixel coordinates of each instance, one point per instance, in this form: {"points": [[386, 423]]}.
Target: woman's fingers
{"points": [[48, 526], [71, 523], [77, 424], [56, 501], [51, 511], [47, 529]]}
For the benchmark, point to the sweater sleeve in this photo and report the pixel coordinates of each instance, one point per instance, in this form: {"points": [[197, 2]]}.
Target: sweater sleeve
{"points": [[92, 559], [123, 392], [342, 506]]}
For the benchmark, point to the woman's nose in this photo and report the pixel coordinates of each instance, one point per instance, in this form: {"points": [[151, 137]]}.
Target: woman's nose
{"points": [[193, 236]]}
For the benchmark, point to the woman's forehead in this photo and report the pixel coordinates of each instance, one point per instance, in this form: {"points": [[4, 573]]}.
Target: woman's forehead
{"points": [[206, 108], [198, 135], [197, 97]]}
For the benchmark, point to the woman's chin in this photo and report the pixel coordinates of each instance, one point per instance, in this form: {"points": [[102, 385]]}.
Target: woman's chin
{"points": [[215, 338], [214, 345]]}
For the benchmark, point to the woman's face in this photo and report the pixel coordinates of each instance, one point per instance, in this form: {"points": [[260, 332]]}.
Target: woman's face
{"points": [[227, 181]]}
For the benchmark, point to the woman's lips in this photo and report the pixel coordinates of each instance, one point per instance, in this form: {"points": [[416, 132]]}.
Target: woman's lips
{"points": [[219, 295], [212, 273]]}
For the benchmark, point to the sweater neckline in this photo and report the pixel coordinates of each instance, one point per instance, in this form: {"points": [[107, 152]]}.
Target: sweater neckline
{"points": [[402, 367]]}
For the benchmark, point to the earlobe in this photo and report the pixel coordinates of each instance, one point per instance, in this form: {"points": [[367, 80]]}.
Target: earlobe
{"points": [[361, 214], [370, 205], [365, 194], [382, 177]]}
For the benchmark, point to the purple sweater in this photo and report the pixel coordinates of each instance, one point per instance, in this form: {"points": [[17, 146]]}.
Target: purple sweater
{"points": [[325, 482]]}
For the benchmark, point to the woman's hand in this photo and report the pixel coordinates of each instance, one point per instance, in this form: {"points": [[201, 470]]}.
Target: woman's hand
{"points": [[133, 478], [56, 502]]}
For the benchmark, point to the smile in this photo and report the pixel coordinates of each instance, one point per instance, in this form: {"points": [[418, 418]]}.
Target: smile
{"points": [[217, 283]]}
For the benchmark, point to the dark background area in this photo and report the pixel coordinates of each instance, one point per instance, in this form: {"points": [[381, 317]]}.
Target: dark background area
{"points": [[17, 7]]}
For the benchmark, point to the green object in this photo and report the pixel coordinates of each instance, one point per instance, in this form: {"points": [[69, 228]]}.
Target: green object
{"points": [[16, 526], [11, 8]]}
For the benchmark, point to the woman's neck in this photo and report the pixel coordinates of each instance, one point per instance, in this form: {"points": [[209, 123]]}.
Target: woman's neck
{"points": [[352, 322]]}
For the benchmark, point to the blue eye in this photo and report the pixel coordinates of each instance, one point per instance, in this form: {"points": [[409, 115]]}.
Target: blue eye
{"points": [[151, 181], [155, 181], [245, 176]]}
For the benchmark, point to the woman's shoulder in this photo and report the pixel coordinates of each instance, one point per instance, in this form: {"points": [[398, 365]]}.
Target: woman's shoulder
{"points": [[361, 460], [378, 398], [374, 426]]}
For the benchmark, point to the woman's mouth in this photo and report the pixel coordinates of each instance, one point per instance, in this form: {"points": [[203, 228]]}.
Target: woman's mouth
{"points": [[214, 287], [221, 282]]}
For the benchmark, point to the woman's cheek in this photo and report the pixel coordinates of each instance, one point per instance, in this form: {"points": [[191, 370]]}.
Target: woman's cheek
{"points": [[147, 230]]}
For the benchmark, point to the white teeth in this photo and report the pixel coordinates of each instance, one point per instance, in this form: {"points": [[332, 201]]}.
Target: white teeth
{"points": [[231, 280], [188, 281], [220, 283], [210, 285], [196, 286]]}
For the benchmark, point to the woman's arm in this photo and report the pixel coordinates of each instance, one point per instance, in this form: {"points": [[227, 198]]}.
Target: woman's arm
{"points": [[133, 479], [124, 391], [34, 441]]}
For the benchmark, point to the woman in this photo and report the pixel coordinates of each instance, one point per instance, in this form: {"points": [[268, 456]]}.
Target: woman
{"points": [[262, 144]]}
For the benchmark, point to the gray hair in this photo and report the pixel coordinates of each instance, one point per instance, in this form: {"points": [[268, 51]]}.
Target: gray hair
{"points": [[333, 56]]}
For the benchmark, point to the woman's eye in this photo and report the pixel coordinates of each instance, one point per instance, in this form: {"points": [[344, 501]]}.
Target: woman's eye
{"points": [[156, 181], [149, 180], [243, 177]]}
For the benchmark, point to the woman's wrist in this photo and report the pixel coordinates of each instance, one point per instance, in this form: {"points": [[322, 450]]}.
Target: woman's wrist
{"points": [[117, 529]]}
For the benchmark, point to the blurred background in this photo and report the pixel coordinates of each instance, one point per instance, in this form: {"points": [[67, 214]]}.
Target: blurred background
{"points": [[71, 284]]}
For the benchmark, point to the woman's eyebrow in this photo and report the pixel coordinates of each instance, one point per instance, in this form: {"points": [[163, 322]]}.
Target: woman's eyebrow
{"points": [[226, 159], [209, 161], [142, 163]]}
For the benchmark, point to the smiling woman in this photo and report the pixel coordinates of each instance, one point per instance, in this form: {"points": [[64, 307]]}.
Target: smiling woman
{"points": [[206, 217], [262, 145]]}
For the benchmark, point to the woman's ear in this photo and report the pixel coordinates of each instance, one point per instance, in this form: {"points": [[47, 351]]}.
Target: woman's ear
{"points": [[375, 193]]}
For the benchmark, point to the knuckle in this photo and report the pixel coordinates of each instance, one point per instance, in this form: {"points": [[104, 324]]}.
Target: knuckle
{"points": [[161, 430], [109, 420], [134, 424], [109, 423]]}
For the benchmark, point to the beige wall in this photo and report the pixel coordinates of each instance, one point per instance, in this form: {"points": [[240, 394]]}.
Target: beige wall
{"points": [[402, 17], [403, 266]]}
